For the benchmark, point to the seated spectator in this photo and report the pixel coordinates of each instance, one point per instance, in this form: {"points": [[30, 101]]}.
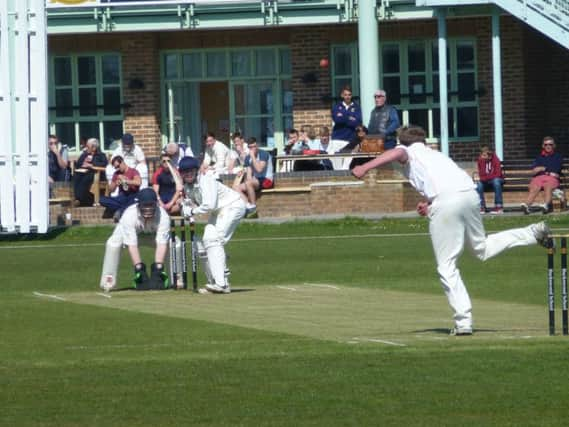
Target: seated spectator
{"points": [[175, 152], [168, 187], [127, 181], [58, 161], [354, 146], [91, 161], [326, 147], [238, 154], [490, 177], [547, 173], [133, 156], [325, 139], [258, 175], [292, 140], [307, 144], [217, 155]]}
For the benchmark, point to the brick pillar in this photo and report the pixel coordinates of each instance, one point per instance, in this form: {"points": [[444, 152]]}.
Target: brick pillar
{"points": [[308, 46], [140, 60]]}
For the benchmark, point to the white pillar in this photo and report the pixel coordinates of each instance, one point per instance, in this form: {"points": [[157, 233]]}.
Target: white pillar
{"points": [[443, 89], [497, 84], [368, 47]]}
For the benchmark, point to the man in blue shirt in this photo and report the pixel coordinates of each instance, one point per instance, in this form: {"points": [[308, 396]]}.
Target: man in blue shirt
{"points": [[346, 116]]}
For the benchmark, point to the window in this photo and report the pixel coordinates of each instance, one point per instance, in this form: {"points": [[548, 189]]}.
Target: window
{"points": [[344, 69], [409, 73], [259, 83], [86, 98]]}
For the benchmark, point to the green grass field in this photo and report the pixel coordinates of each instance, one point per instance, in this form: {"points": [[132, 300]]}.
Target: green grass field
{"points": [[332, 323]]}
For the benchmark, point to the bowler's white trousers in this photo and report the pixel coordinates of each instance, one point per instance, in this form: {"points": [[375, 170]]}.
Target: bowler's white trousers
{"points": [[455, 220]]}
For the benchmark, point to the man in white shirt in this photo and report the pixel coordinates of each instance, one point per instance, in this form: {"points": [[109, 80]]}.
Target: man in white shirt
{"points": [[146, 216], [217, 155], [453, 208], [133, 156], [205, 194]]}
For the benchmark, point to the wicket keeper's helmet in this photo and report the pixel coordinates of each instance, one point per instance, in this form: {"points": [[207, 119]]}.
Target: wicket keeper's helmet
{"points": [[188, 163], [147, 202]]}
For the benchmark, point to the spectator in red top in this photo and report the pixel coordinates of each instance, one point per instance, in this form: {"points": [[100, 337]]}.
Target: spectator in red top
{"points": [[491, 177], [128, 181]]}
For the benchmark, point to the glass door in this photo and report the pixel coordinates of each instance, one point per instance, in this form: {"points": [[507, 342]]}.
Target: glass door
{"points": [[183, 100], [253, 110]]}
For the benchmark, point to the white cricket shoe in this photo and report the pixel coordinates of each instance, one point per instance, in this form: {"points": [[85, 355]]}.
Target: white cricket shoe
{"points": [[456, 331], [216, 289], [541, 232]]}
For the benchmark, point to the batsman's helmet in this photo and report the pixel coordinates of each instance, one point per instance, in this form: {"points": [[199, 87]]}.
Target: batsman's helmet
{"points": [[147, 202], [188, 163]]}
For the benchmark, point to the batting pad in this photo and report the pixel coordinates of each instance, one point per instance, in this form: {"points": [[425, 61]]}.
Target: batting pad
{"points": [[110, 265]]}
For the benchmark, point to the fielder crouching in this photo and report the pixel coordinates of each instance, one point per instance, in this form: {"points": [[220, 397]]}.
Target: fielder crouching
{"points": [[205, 194], [146, 216]]}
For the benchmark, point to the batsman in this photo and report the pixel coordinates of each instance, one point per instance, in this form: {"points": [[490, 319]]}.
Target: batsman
{"points": [[145, 216], [205, 194]]}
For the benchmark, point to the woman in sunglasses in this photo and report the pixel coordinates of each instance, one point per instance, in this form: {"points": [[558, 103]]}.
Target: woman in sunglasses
{"points": [[546, 170]]}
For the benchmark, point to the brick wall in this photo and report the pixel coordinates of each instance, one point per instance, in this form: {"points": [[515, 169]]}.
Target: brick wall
{"points": [[140, 60], [311, 104]]}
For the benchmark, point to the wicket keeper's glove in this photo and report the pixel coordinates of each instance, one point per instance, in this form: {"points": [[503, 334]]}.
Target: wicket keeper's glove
{"points": [[158, 277], [140, 275]]}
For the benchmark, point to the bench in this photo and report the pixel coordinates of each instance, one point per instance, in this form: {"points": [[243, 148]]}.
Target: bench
{"points": [[518, 174]]}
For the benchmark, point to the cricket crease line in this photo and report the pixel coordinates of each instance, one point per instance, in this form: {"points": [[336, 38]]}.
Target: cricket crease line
{"points": [[103, 295], [287, 288], [318, 285], [377, 340], [39, 294]]}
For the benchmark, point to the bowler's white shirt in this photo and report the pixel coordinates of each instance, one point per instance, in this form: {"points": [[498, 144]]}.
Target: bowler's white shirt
{"points": [[432, 173]]}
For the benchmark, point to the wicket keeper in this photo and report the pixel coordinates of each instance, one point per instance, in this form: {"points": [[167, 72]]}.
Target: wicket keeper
{"points": [[145, 216], [205, 194]]}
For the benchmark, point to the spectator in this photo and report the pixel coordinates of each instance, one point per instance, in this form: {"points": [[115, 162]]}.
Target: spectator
{"points": [[326, 148], [58, 160], [238, 154], [175, 152], [167, 186], [354, 146], [307, 144], [292, 140], [258, 175], [325, 138], [346, 116], [91, 161], [127, 181], [546, 169], [384, 120], [490, 177], [217, 156], [133, 156]]}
